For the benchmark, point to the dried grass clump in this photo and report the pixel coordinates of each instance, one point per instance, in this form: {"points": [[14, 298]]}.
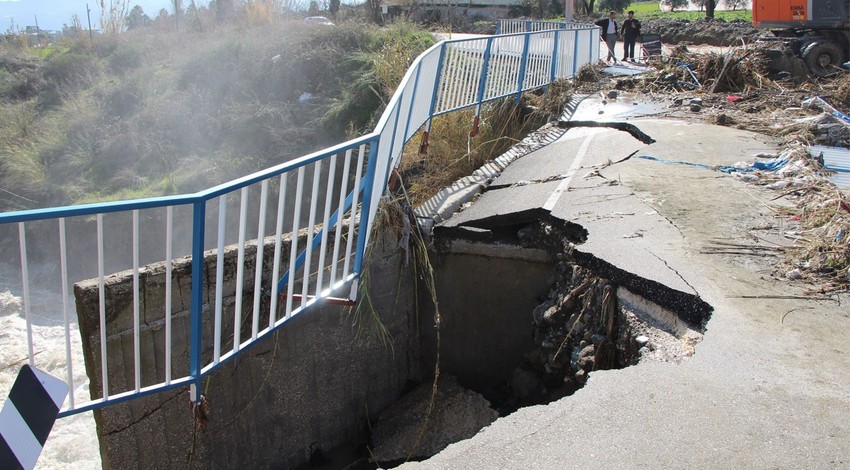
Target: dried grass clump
{"points": [[738, 70], [842, 93], [453, 154], [587, 74], [822, 253]]}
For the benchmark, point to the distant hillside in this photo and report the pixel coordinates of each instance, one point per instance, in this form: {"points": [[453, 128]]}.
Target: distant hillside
{"points": [[155, 112]]}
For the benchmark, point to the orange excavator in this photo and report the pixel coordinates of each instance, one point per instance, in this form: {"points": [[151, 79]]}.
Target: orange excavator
{"points": [[817, 30]]}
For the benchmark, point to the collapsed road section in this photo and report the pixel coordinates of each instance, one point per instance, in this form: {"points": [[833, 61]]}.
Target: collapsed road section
{"points": [[573, 260]]}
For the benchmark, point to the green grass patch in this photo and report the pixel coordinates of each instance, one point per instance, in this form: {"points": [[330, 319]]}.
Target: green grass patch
{"points": [[649, 10]]}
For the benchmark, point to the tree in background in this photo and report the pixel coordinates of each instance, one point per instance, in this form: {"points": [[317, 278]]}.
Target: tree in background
{"points": [[178, 8], [223, 9], [194, 17], [136, 18], [615, 5], [733, 4], [112, 15], [333, 7], [675, 4], [542, 8], [586, 6], [710, 5], [313, 9]]}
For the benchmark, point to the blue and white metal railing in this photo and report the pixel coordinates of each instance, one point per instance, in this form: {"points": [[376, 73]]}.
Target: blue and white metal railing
{"points": [[529, 26], [326, 188]]}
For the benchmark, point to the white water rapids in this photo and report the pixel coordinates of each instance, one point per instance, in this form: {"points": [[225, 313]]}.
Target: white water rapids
{"points": [[72, 442]]}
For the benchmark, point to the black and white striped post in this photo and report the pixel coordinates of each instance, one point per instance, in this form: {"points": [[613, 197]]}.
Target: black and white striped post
{"points": [[28, 416]]}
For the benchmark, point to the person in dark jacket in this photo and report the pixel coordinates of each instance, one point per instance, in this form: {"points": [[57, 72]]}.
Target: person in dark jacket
{"points": [[630, 32], [609, 34]]}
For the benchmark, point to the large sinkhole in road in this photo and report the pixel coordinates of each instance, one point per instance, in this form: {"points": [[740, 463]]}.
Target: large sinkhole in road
{"points": [[526, 317], [531, 305]]}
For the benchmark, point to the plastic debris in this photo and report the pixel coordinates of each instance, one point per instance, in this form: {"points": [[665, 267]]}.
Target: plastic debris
{"points": [[817, 100], [793, 274], [774, 164], [673, 162]]}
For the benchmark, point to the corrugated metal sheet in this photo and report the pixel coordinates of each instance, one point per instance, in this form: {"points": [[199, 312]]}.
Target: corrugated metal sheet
{"points": [[836, 159]]}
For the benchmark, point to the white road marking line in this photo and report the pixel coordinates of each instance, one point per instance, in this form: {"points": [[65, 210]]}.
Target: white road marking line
{"points": [[565, 183]]}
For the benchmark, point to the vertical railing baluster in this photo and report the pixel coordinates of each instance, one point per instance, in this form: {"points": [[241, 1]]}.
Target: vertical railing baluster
{"points": [[278, 234], [219, 277], [25, 279], [169, 229], [258, 265], [314, 195], [451, 79], [63, 266], [240, 270], [101, 297]]}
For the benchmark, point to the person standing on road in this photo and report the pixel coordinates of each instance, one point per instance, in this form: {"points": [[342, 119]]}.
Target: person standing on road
{"points": [[630, 32], [609, 34]]}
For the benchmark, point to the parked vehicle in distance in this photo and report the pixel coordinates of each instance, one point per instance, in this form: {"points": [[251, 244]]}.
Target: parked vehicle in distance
{"points": [[319, 20], [817, 30]]}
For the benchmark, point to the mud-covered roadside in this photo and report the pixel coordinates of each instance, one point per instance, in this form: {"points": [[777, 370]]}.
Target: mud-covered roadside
{"points": [[713, 32]]}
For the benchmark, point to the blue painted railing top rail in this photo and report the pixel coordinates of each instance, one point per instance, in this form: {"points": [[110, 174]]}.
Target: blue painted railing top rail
{"points": [[313, 195]]}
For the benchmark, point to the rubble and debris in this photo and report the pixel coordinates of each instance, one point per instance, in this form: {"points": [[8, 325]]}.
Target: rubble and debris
{"points": [[739, 88]]}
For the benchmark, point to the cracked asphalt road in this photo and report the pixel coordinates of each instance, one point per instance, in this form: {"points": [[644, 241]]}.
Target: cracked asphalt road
{"points": [[768, 386]]}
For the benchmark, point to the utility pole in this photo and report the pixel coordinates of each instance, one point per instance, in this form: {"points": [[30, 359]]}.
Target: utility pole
{"points": [[88, 14]]}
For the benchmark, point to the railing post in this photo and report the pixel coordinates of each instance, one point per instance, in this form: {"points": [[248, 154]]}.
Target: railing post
{"points": [[575, 52], [423, 146], [555, 57], [412, 101], [391, 156], [527, 26], [196, 320], [366, 205], [498, 27], [523, 62], [482, 84], [437, 81]]}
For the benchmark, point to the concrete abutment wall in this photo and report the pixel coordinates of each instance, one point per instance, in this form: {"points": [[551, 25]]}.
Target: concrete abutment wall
{"points": [[313, 384]]}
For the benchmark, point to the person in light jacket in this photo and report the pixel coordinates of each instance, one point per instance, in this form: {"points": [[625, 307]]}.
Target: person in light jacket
{"points": [[609, 34]]}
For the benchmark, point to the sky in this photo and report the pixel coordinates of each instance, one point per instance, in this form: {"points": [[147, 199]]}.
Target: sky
{"points": [[52, 14]]}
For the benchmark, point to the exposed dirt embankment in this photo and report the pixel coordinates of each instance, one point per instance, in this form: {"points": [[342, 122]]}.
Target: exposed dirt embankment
{"points": [[711, 32]]}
